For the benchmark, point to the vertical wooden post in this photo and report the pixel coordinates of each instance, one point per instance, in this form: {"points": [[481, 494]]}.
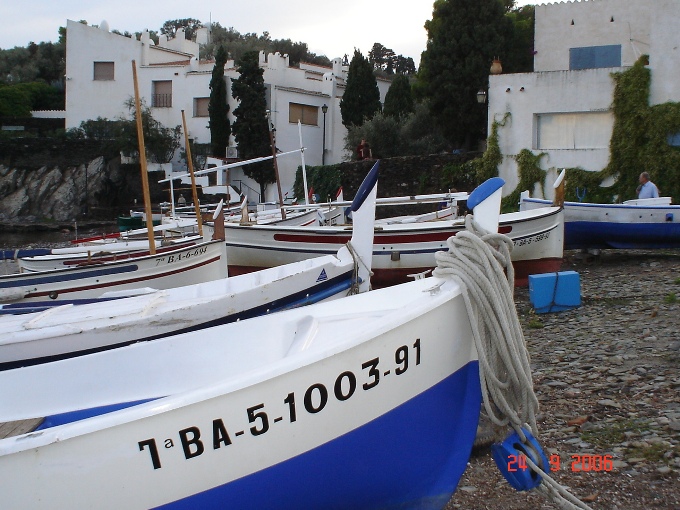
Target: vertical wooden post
{"points": [[190, 163], [142, 163], [272, 140]]}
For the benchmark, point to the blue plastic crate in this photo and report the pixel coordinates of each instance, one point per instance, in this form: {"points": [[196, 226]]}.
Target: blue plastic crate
{"points": [[555, 292]]}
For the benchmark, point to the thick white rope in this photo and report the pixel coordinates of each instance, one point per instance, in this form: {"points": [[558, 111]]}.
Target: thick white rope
{"points": [[480, 262]]}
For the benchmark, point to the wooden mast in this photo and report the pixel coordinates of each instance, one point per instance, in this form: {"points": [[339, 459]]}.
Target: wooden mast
{"points": [[272, 140], [142, 163], [190, 164]]}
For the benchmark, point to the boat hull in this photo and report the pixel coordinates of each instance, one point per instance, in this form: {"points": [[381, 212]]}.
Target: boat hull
{"points": [[192, 264], [399, 250], [379, 413], [84, 329], [619, 226]]}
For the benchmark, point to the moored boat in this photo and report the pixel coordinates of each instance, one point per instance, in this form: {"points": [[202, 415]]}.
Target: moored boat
{"points": [[635, 224], [68, 331], [400, 249], [183, 266]]}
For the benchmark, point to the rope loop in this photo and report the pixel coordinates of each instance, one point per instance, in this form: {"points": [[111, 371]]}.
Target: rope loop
{"points": [[354, 289], [480, 263]]}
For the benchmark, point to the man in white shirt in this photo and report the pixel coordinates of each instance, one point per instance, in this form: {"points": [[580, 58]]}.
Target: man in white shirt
{"points": [[647, 188]]}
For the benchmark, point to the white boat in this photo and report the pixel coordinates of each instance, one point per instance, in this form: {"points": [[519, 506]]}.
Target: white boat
{"points": [[400, 249], [275, 412], [201, 262], [67, 331], [108, 250], [635, 224], [371, 401]]}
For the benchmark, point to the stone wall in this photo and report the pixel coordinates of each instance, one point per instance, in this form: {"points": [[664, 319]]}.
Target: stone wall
{"points": [[57, 181], [410, 175]]}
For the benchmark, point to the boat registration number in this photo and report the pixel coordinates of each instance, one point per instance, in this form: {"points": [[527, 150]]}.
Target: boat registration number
{"points": [[169, 259], [195, 441], [532, 239]]}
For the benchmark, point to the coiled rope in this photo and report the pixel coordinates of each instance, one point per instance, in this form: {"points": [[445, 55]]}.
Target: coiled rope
{"points": [[480, 263]]}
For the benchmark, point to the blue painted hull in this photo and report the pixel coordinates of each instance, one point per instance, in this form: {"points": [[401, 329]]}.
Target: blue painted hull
{"points": [[594, 234], [411, 457]]}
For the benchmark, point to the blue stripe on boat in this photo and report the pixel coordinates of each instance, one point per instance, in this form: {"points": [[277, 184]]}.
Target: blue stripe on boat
{"points": [[63, 275], [411, 457], [601, 234]]}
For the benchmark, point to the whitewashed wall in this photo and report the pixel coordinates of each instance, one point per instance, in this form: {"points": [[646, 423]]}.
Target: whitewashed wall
{"points": [[309, 84], [640, 26], [555, 35]]}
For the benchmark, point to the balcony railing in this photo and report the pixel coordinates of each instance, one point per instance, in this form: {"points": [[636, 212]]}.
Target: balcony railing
{"points": [[161, 100]]}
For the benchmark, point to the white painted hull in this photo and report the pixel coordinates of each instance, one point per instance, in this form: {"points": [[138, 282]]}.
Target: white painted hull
{"points": [[198, 263], [367, 402], [69, 330], [113, 250], [634, 225], [399, 249]]}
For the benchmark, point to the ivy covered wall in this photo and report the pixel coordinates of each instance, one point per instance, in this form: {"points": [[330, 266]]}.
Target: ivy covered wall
{"points": [[640, 142]]}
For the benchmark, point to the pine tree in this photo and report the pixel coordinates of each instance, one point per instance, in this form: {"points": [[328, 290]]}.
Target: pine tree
{"points": [[398, 100], [463, 39], [361, 99], [218, 107], [251, 128]]}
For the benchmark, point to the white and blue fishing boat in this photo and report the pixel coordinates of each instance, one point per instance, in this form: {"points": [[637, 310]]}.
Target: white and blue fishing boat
{"points": [[651, 223], [54, 332], [367, 402]]}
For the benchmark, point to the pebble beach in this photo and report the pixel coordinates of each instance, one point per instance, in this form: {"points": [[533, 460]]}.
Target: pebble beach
{"points": [[607, 380]]}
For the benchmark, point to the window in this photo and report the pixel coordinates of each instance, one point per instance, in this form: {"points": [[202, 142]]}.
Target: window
{"points": [[306, 114], [162, 94], [595, 57], [585, 130], [201, 107], [103, 71]]}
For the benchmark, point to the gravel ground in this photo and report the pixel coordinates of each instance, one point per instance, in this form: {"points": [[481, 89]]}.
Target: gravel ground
{"points": [[606, 377]]}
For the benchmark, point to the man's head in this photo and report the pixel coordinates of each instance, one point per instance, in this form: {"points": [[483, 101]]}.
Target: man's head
{"points": [[644, 177]]}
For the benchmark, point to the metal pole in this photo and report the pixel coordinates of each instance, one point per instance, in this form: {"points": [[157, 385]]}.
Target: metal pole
{"points": [[323, 153]]}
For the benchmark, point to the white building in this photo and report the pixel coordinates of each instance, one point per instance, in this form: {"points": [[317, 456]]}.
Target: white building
{"points": [[563, 108], [171, 78]]}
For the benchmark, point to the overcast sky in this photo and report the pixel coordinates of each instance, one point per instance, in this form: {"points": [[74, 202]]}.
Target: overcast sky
{"points": [[329, 28]]}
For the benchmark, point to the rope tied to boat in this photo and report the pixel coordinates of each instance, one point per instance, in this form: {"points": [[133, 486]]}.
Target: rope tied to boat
{"points": [[480, 263], [354, 289]]}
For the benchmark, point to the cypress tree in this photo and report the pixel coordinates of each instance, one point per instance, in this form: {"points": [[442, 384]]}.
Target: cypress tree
{"points": [[463, 39], [218, 107], [361, 99], [251, 128], [398, 100]]}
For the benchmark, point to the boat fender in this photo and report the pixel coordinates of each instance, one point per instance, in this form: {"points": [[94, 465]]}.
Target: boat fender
{"points": [[12, 294], [507, 456]]}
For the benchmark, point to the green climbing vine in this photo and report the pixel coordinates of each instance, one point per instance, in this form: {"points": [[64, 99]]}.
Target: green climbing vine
{"points": [[529, 172], [641, 141], [632, 118], [486, 167]]}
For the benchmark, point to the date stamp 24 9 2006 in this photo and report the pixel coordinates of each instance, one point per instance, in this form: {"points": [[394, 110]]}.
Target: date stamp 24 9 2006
{"points": [[584, 462]]}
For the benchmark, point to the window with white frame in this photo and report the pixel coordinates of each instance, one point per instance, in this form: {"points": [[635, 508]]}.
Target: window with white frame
{"points": [[201, 106], [161, 96], [583, 130], [103, 71], [306, 114]]}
